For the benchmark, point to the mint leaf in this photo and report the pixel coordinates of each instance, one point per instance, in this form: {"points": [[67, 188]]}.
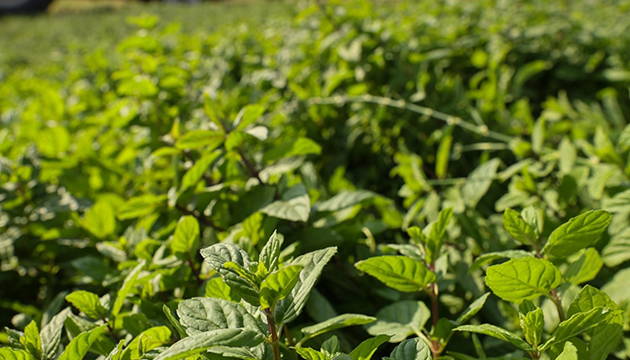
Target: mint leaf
{"points": [[278, 285], [199, 315], [366, 349], [400, 319], [523, 279], [79, 346], [578, 233], [87, 302], [186, 238], [532, 325], [518, 228], [498, 333], [478, 182], [295, 205], [411, 349], [577, 324], [585, 268], [335, 323], [398, 272], [201, 342]]}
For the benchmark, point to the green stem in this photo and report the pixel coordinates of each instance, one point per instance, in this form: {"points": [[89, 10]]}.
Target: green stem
{"points": [[274, 335], [558, 302]]}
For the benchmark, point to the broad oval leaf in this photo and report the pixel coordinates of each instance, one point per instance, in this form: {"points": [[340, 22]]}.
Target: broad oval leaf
{"points": [[203, 341], [398, 272], [88, 303], [199, 315], [218, 254], [578, 233], [295, 205], [186, 238], [577, 324], [345, 199], [411, 349], [400, 319], [479, 182], [518, 228], [487, 258], [523, 279], [79, 346], [366, 349]]}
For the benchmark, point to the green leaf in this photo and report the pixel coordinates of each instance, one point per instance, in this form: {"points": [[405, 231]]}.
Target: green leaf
{"points": [[444, 152], [605, 337], [313, 263], [520, 230], [87, 302], [411, 349], [479, 182], [523, 279], [196, 139], [79, 346], [201, 342], [532, 325], [51, 334], [435, 240], [570, 352], [171, 319], [345, 199], [278, 285], [186, 239], [472, 309], [294, 147], [199, 315], [247, 116], [218, 254], [335, 323], [270, 253], [217, 288], [294, 205], [140, 206], [578, 233], [311, 354], [100, 219], [14, 354], [484, 259], [148, 339], [498, 333], [366, 349], [195, 173], [577, 324], [400, 319], [398, 272], [31, 340], [617, 251], [585, 268], [126, 288]]}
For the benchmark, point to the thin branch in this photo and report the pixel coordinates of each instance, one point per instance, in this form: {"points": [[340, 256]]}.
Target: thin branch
{"points": [[251, 167]]}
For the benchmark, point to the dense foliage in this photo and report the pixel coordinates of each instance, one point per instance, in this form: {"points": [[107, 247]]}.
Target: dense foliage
{"points": [[357, 181]]}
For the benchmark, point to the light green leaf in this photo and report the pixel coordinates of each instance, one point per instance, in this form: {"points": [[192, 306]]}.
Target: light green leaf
{"points": [[436, 235], [126, 288], [498, 333], [140, 206], [585, 268], [186, 238], [577, 324], [148, 339], [617, 251], [484, 259], [335, 323], [398, 272], [51, 334], [604, 337], [311, 354], [203, 341], [295, 205], [293, 147], [217, 288], [568, 155], [532, 325], [290, 307], [520, 230], [171, 319], [31, 340], [87, 302], [400, 319], [411, 349], [14, 354], [345, 199], [270, 253], [247, 116], [196, 139], [523, 279], [79, 346], [100, 219], [479, 182], [472, 309], [195, 173], [578, 233], [218, 254], [570, 352], [366, 349], [278, 285]]}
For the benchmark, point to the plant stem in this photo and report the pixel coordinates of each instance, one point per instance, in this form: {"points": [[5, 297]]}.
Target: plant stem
{"points": [[274, 335], [288, 335], [558, 302], [435, 314], [251, 167]]}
